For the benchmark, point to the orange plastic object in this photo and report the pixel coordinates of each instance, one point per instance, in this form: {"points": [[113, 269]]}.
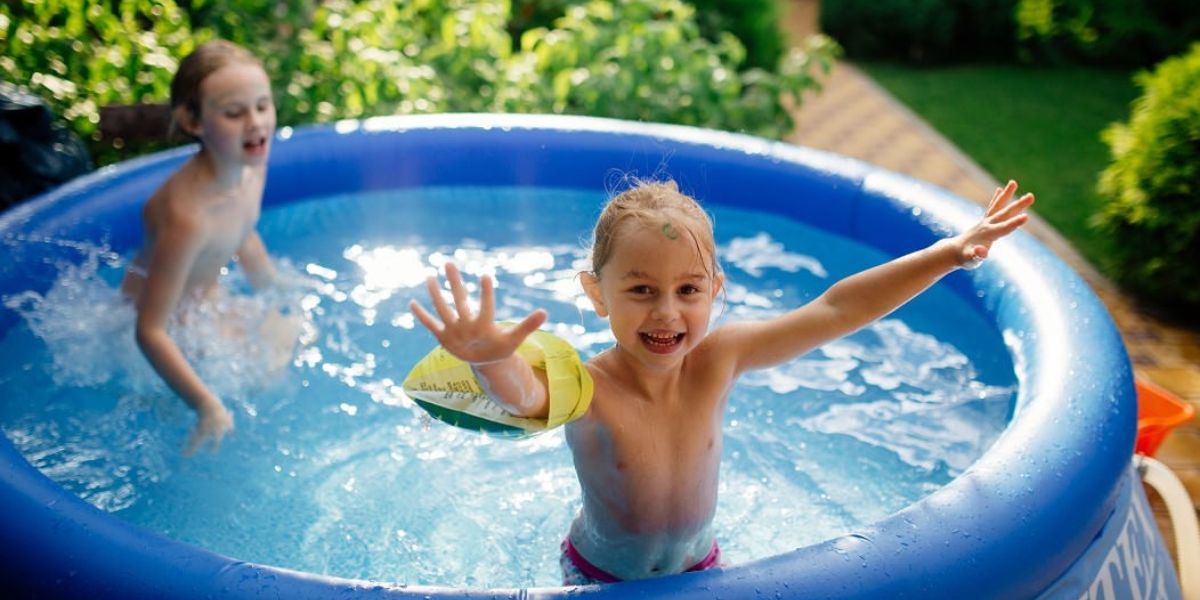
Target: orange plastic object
{"points": [[1159, 411]]}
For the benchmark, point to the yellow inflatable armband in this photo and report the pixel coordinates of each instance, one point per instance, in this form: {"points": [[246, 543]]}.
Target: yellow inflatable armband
{"points": [[446, 388]]}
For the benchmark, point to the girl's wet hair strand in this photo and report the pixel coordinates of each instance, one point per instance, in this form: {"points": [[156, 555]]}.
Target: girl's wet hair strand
{"points": [[656, 204]]}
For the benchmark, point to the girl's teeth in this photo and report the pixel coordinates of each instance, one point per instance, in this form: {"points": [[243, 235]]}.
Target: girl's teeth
{"points": [[662, 339]]}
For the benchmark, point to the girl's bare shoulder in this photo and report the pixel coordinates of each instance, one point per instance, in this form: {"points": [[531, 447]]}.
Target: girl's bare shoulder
{"points": [[600, 370], [721, 338], [719, 349], [174, 204]]}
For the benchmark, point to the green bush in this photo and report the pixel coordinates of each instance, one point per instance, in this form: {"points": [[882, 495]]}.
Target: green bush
{"points": [[1129, 33], [531, 14], [1121, 33], [335, 59], [639, 59], [380, 57], [265, 26], [755, 23], [80, 55], [647, 60], [1152, 188], [922, 31]]}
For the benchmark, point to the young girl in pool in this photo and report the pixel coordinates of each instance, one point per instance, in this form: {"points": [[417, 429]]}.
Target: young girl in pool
{"points": [[647, 451], [204, 215]]}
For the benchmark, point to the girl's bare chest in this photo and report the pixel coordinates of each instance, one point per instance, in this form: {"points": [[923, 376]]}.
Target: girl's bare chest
{"points": [[231, 220], [684, 426], [223, 229]]}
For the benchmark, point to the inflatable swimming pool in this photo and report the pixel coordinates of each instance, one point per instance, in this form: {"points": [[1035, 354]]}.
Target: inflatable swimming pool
{"points": [[1053, 509]]}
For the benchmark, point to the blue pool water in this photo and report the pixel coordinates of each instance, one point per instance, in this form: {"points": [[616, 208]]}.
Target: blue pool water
{"points": [[332, 470]]}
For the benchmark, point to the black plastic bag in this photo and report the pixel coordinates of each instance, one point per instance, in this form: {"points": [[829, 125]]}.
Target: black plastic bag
{"points": [[36, 153]]}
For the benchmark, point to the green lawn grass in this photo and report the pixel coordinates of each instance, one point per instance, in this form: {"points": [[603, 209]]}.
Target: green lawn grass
{"points": [[1039, 126]]}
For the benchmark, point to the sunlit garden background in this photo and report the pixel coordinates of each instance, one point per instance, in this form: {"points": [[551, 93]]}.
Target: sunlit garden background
{"points": [[1095, 104]]}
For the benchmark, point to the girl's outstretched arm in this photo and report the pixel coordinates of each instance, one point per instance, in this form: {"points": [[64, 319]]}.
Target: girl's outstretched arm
{"points": [[174, 252], [860, 299], [490, 350]]}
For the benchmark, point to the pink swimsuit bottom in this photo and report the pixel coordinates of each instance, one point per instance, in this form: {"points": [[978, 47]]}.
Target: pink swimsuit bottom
{"points": [[578, 571]]}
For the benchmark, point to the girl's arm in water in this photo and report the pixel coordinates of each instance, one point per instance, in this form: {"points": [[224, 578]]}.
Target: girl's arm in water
{"points": [[255, 262], [174, 251], [490, 350], [860, 299]]}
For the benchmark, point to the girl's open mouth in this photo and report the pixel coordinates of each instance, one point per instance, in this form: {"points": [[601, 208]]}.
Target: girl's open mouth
{"points": [[256, 147], [661, 343]]}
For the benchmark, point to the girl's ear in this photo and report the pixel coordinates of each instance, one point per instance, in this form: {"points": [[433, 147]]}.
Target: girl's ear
{"points": [[718, 283], [591, 287], [186, 121]]}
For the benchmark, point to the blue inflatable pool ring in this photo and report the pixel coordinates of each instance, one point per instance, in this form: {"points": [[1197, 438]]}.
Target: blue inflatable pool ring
{"points": [[1053, 509]]}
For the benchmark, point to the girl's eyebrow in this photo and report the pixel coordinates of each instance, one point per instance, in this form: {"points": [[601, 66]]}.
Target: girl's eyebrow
{"points": [[233, 98], [227, 103], [635, 274]]}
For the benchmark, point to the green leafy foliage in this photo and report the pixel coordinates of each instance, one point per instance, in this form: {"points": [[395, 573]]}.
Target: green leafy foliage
{"points": [[755, 23], [377, 57], [1121, 33], [1152, 188], [922, 31], [82, 54], [647, 60], [531, 14], [1130, 33], [335, 59]]}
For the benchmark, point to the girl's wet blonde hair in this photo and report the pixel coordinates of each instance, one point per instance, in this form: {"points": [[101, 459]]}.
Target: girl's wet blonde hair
{"points": [[205, 60], [658, 205]]}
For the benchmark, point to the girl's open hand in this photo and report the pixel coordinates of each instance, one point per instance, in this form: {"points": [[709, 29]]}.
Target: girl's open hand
{"points": [[1002, 218], [473, 338], [211, 425]]}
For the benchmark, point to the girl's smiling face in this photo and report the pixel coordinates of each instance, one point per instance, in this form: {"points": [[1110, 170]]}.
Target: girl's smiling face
{"points": [[237, 114], [657, 291]]}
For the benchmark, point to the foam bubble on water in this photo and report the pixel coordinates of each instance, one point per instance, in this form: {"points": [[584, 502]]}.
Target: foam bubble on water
{"points": [[923, 434], [918, 397], [828, 374], [904, 358], [755, 254], [935, 413], [748, 305]]}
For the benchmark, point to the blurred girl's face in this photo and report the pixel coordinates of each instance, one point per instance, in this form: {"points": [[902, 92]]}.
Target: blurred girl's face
{"points": [[237, 114]]}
